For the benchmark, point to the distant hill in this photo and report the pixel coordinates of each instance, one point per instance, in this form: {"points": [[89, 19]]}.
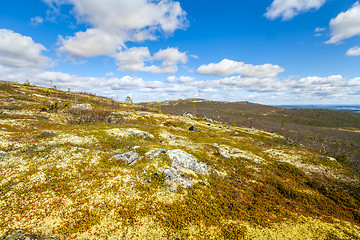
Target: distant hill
{"points": [[335, 133]]}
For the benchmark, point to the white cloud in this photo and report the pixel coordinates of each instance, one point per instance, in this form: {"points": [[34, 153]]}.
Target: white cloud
{"points": [[133, 60], [229, 67], [171, 57], [36, 20], [182, 79], [287, 9], [355, 51], [345, 25], [109, 74], [319, 29], [115, 22], [17, 50]]}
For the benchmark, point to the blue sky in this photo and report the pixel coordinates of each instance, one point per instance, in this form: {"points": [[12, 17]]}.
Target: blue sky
{"points": [[270, 52]]}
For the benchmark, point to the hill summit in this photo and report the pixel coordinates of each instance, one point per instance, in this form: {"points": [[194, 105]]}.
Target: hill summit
{"points": [[78, 166]]}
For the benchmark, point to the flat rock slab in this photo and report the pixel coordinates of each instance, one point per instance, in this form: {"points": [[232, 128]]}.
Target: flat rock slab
{"points": [[182, 159], [128, 157], [224, 153], [85, 106]]}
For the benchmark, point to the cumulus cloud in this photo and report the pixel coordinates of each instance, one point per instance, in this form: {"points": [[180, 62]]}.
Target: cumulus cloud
{"points": [[17, 50], [355, 51], [133, 60], [288, 9], [345, 25], [182, 79], [229, 67], [115, 22]]}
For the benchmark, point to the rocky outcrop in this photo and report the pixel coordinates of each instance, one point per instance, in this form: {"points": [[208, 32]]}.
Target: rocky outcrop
{"points": [[144, 114], [188, 115], [127, 158], [182, 159], [85, 106], [182, 163]]}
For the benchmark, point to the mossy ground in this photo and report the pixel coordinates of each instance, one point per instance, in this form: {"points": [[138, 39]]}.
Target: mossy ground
{"points": [[65, 185]]}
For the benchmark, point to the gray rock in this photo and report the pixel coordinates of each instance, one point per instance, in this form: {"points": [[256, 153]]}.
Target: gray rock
{"points": [[47, 134], [144, 114], [188, 115], [221, 127], [19, 234], [208, 120], [174, 177], [208, 124], [230, 128], [234, 150], [193, 128], [12, 100], [3, 155], [140, 133], [157, 152], [224, 153], [128, 157], [85, 106], [184, 160]]}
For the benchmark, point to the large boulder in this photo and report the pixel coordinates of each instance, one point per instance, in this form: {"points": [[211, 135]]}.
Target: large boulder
{"points": [[193, 128], [224, 153], [127, 158], [182, 159]]}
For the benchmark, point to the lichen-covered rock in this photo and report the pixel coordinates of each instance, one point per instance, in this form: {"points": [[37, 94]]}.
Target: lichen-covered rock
{"points": [[188, 115], [182, 159], [3, 155], [128, 157], [157, 152], [174, 178], [139, 133], [224, 153]]}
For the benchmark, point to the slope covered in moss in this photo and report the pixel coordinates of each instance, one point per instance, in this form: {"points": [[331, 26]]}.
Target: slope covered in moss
{"points": [[59, 177]]}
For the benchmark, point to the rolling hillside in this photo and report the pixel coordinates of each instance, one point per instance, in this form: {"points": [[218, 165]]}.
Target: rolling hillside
{"points": [[78, 166]]}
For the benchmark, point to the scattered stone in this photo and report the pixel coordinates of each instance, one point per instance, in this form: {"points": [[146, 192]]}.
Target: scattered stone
{"points": [[85, 106], [236, 133], [139, 133], [224, 153], [221, 127], [128, 157], [208, 120], [19, 234], [188, 115], [331, 159], [182, 159], [230, 128], [12, 100], [47, 134], [135, 147], [3, 155], [208, 124], [144, 114], [193, 128]]}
